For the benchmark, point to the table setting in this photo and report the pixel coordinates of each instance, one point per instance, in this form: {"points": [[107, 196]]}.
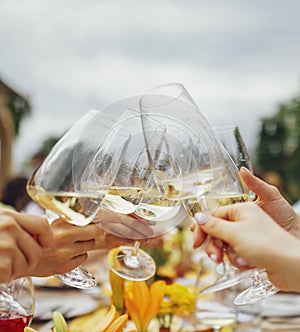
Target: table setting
{"points": [[153, 161], [280, 312]]}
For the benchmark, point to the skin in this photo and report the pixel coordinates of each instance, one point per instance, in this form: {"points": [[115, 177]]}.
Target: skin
{"points": [[270, 200], [71, 243], [68, 249], [284, 233], [22, 241], [253, 235], [30, 246], [123, 226]]}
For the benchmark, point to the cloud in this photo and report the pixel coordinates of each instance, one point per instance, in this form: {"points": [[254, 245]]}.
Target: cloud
{"points": [[237, 59]]}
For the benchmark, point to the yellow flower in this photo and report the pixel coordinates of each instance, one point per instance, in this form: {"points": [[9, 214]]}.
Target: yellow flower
{"points": [[143, 303], [178, 300]]}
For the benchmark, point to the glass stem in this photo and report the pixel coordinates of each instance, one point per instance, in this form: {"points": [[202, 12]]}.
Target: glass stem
{"points": [[132, 259], [224, 263], [136, 248]]}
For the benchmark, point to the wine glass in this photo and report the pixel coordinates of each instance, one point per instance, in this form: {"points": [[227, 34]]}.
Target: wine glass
{"points": [[191, 159], [199, 171], [16, 304], [233, 143], [54, 184], [215, 310], [132, 208], [238, 156]]}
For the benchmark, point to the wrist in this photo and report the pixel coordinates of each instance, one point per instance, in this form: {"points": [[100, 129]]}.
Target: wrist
{"points": [[286, 265]]}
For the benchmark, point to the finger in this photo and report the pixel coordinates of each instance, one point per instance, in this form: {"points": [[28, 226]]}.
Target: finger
{"points": [[213, 251], [221, 212], [18, 244], [35, 225], [29, 248], [72, 233], [79, 260], [193, 227], [20, 263], [72, 264], [81, 247], [219, 228], [139, 224], [123, 231], [6, 268], [235, 259], [260, 187], [136, 227], [198, 237], [108, 241]]}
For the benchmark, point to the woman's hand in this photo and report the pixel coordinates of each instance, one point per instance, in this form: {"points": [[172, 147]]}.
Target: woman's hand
{"points": [[269, 199], [253, 235], [22, 240]]}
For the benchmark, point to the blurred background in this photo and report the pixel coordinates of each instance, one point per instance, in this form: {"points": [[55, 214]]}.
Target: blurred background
{"points": [[239, 60]]}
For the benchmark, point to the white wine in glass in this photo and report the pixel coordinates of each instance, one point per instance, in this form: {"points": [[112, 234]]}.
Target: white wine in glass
{"points": [[143, 213], [234, 145], [62, 186], [233, 192]]}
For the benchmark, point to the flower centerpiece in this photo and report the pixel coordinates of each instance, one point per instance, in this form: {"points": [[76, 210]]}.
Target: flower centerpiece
{"points": [[110, 322], [178, 300], [143, 302]]}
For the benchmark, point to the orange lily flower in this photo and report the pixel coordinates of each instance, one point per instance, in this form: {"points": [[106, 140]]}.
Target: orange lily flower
{"points": [[117, 287], [143, 303]]}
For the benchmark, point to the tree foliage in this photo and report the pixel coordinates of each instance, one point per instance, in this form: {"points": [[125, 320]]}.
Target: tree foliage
{"points": [[19, 108], [278, 149]]}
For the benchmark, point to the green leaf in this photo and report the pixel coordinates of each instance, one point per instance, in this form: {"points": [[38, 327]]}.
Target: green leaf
{"points": [[29, 329], [59, 322]]}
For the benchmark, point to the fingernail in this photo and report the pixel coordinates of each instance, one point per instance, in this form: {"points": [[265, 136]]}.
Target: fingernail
{"points": [[213, 257], [241, 261], [201, 218], [191, 228], [219, 243], [243, 168]]}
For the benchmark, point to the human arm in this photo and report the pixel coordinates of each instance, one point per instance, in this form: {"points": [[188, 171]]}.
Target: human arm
{"points": [[22, 240], [254, 235]]}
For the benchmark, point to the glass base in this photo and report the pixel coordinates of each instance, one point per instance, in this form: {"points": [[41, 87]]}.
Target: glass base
{"points": [[228, 280], [131, 267], [256, 293], [78, 278]]}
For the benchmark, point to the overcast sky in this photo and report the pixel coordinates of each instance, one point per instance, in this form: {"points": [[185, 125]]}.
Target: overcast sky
{"points": [[238, 59]]}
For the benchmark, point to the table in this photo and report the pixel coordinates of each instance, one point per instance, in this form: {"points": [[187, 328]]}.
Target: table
{"points": [[286, 305]]}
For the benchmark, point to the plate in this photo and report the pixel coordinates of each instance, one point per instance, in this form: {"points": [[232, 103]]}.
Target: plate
{"points": [[279, 305], [69, 304]]}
